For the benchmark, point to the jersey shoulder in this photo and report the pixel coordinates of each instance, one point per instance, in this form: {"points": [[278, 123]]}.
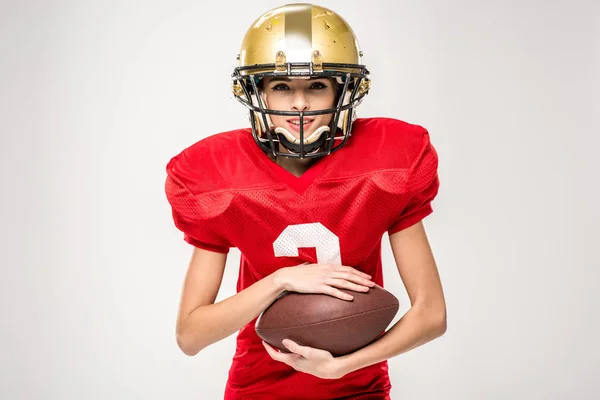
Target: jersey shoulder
{"points": [[210, 164], [192, 189], [387, 143]]}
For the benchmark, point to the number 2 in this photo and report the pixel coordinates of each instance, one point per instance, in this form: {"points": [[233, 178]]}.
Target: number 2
{"points": [[315, 235]]}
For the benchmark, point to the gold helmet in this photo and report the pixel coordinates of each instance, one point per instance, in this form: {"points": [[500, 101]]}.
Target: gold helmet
{"points": [[301, 40]]}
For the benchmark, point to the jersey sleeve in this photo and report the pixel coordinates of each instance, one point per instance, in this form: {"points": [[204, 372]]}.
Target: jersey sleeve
{"points": [[189, 217], [421, 188]]}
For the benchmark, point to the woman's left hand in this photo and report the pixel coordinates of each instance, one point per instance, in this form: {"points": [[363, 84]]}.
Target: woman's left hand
{"points": [[317, 362]]}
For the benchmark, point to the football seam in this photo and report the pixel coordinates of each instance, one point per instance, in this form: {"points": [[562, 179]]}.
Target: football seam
{"points": [[328, 321]]}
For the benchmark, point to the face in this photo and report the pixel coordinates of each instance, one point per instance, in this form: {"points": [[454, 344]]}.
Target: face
{"points": [[284, 94]]}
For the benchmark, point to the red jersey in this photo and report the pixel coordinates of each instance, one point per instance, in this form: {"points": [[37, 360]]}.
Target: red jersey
{"points": [[226, 192]]}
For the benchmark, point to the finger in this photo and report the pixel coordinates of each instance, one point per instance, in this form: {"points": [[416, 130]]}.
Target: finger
{"points": [[352, 278], [330, 290], [278, 356], [272, 350], [354, 271], [294, 347], [344, 284]]}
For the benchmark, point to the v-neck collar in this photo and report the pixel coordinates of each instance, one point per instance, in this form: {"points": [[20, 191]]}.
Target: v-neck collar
{"points": [[300, 184]]}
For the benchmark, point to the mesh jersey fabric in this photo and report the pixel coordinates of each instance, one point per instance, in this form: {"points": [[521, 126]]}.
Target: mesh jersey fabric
{"points": [[225, 192]]}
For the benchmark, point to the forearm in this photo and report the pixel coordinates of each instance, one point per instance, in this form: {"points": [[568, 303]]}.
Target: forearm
{"points": [[417, 327], [211, 323]]}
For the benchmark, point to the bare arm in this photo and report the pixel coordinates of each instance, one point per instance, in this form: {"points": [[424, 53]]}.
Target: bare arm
{"points": [[201, 322], [426, 319]]}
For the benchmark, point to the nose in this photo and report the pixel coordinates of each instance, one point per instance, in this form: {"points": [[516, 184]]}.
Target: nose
{"points": [[299, 102]]}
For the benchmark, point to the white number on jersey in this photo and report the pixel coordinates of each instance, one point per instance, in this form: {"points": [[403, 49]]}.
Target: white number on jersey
{"points": [[314, 235]]}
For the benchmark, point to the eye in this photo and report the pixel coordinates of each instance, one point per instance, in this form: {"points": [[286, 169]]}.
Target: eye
{"points": [[318, 86], [280, 86]]}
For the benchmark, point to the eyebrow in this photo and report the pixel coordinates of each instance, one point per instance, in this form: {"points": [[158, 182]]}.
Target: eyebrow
{"points": [[312, 78]]}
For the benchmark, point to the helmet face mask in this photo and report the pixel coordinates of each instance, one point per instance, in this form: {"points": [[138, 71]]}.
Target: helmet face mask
{"points": [[294, 31]]}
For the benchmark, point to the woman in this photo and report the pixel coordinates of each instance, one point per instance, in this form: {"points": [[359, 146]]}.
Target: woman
{"points": [[307, 206]]}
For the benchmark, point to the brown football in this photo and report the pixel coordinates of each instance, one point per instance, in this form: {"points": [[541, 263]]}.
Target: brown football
{"points": [[326, 322]]}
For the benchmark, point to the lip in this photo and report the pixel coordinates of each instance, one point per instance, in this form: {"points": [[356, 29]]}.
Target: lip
{"points": [[296, 128]]}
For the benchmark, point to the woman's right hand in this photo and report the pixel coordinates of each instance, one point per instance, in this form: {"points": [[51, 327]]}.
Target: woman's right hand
{"points": [[323, 278]]}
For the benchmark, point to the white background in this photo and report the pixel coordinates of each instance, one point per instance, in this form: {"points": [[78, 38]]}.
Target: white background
{"points": [[96, 96]]}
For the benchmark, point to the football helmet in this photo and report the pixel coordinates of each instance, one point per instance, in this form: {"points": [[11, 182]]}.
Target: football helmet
{"points": [[301, 41]]}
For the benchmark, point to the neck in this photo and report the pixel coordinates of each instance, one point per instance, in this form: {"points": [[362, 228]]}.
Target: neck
{"points": [[295, 166]]}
